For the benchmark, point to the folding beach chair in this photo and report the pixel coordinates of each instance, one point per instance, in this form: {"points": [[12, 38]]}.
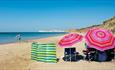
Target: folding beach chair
{"points": [[70, 54]]}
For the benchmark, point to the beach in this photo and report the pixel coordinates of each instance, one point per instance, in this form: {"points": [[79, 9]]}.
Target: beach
{"points": [[17, 56], [38, 34]]}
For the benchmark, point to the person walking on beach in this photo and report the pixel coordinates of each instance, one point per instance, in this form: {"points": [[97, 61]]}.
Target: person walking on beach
{"points": [[18, 37]]}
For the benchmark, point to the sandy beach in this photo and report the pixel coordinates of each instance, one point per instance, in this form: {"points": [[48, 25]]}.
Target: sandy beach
{"points": [[32, 30], [17, 56]]}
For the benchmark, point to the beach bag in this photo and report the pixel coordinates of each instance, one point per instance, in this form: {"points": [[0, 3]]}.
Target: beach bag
{"points": [[102, 56]]}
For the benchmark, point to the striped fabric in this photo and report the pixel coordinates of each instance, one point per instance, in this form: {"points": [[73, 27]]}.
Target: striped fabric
{"points": [[34, 51], [44, 52]]}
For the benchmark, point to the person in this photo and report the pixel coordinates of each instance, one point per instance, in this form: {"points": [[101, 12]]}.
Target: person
{"points": [[18, 37], [89, 52]]}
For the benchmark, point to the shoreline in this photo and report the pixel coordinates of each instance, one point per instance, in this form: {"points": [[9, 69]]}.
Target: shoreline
{"points": [[26, 37], [29, 40]]}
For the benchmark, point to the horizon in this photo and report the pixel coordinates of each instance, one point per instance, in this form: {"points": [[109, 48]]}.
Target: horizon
{"points": [[34, 15]]}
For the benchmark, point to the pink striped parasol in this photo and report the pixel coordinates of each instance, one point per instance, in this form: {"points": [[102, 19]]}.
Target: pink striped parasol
{"points": [[100, 39], [70, 39]]}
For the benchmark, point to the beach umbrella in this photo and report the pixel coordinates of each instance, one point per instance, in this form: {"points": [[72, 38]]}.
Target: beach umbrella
{"points": [[70, 39], [100, 39]]}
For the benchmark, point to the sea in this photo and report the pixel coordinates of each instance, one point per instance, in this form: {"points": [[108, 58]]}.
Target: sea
{"points": [[10, 37]]}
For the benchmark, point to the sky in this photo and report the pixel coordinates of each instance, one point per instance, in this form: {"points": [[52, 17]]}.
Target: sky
{"points": [[34, 15]]}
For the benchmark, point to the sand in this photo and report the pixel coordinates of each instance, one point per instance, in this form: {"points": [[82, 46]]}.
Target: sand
{"points": [[17, 56]]}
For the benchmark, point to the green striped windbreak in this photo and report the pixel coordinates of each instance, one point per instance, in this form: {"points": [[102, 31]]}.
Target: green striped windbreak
{"points": [[44, 52]]}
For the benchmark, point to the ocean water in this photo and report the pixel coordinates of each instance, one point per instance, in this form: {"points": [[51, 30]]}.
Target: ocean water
{"points": [[9, 37]]}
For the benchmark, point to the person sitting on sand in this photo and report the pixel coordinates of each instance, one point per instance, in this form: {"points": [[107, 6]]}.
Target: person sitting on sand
{"points": [[96, 55], [90, 53]]}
